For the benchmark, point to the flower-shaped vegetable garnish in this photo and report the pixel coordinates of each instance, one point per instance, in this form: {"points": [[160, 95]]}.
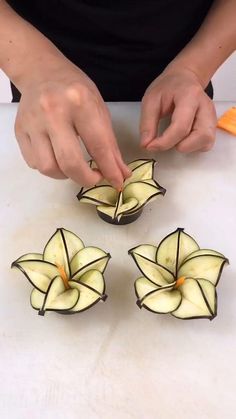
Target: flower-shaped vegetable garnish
{"points": [[67, 277], [178, 277], [125, 206]]}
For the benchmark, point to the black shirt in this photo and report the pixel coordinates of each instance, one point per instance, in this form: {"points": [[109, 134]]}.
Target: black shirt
{"points": [[122, 45]]}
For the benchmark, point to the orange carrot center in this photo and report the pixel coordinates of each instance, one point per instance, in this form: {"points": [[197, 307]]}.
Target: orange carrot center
{"points": [[63, 275], [180, 281]]}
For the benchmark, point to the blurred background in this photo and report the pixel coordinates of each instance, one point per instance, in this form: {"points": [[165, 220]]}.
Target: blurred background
{"points": [[224, 82]]}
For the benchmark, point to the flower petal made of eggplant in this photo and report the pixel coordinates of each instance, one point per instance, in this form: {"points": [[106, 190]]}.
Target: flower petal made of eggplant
{"points": [[209, 291], [61, 248], [142, 172], [87, 259], [87, 297], [203, 266], [193, 304], [136, 163], [37, 299], [174, 248], [93, 279], [154, 272], [99, 195], [204, 252], [162, 301], [143, 286], [141, 191], [58, 298], [147, 250], [29, 256], [39, 272], [108, 210]]}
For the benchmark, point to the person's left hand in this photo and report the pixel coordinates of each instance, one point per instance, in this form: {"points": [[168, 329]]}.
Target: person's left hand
{"points": [[193, 121]]}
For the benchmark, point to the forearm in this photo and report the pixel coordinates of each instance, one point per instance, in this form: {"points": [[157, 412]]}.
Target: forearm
{"points": [[214, 42], [24, 51]]}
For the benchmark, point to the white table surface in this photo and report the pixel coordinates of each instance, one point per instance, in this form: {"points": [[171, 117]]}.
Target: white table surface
{"points": [[116, 361]]}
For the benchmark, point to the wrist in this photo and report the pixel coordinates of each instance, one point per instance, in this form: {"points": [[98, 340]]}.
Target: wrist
{"points": [[36, 68], [183, 69], [190, 69]]}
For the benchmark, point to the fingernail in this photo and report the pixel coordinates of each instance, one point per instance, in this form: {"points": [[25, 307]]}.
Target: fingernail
{"points": [[152, 147], [145, 138], [117, 185], [128, 172]]}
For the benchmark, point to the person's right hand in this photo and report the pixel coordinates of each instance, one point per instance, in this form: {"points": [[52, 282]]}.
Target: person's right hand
{"points": [[59, 108]]}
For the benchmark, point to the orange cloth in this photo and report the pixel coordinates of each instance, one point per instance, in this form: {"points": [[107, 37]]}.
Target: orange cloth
{"points": [[228, 121]]}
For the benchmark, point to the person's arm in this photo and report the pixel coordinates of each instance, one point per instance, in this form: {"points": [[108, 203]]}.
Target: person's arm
{"points": [[58, 104], [24, 51], [180, 88]]}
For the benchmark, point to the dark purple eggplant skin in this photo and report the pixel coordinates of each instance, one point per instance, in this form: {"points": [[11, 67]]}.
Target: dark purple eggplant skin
{"points": [[68, 312], [125, 219]]}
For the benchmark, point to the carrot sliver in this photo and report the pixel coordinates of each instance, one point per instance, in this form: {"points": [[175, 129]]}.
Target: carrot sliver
{"points": [[63, 275], [228, 121], [180, 281]]}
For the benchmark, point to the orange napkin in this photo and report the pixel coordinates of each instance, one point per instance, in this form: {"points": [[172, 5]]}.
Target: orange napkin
{"points": [[228, 121]]}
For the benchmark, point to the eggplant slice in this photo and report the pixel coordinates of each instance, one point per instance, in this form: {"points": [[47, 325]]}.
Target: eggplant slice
{"points": [[173, 249], [38, 272], [61, 248], [156, 273], [87, 259], [198, 300], [162, 301], [59, 299]]}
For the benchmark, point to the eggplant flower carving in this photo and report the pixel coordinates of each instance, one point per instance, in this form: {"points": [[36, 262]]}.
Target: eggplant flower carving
{"points": [[125, 206], [67, 277], [178, 277]]}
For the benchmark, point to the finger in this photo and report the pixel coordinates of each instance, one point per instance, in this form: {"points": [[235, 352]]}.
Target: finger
{"points": [[202, 137], [107, 164], [197, 141], [69, 156], [99, 141], [180, 126], [26, 149], [149, 120], [126, 171], [45, 157], [124, 168]]}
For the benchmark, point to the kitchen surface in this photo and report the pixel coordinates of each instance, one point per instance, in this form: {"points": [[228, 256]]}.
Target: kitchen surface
{"points": [[115, 360]]}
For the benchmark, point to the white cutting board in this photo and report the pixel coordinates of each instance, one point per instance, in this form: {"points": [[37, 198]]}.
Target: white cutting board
{"points": [[117, 361]]}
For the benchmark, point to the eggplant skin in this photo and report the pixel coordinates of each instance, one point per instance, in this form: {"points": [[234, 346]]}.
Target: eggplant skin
{"points": [[125, 219], [210, 317], [70, 312]]}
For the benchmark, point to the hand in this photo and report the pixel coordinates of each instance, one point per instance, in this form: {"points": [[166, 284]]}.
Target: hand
{"points": [[59, 108], [193, 121]]}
